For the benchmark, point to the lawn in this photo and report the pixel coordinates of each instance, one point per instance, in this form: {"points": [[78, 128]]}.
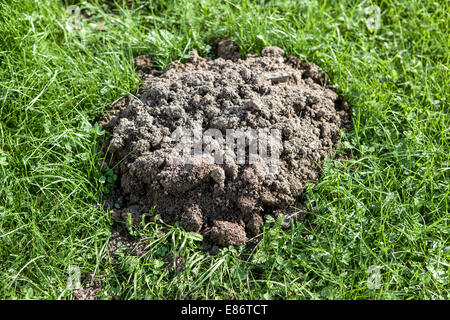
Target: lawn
{"points": [[379, 225]]}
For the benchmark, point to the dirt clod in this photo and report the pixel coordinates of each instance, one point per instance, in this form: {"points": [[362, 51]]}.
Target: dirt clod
{"points": [[227, 233], [216, 193]]}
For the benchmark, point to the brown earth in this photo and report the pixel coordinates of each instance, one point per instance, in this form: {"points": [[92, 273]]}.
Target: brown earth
{"points": [[225, 202], [91, 286]]}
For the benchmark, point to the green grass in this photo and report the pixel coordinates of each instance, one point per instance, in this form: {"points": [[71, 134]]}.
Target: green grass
{"points": [[387, 207]]}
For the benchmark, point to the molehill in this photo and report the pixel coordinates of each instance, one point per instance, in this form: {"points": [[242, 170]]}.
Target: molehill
{"points": [[224, 201]]}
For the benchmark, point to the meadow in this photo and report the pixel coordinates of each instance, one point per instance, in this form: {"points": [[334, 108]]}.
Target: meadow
{"points": [[379, 225]]}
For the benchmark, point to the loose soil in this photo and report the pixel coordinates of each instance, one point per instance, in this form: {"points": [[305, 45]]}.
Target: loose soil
{"points": [[225, 202]]}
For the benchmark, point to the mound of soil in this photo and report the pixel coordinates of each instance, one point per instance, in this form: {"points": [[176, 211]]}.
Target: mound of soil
{"points": [[225, 201]]}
